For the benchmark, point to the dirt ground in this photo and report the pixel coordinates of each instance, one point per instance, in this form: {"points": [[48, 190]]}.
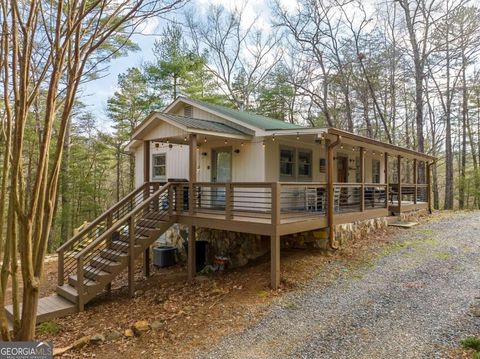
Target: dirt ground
{"points": [[195, 316]]}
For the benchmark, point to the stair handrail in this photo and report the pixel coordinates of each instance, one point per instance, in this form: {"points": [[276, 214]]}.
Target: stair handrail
{"points": [[122, 221], [101, 217]]}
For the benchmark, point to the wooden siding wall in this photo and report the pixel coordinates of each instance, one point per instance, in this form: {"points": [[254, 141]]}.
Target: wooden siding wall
{"points": [[177, 161], [247, 166]]}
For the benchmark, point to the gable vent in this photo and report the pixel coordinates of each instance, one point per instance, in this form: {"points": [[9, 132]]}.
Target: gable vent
{"points": [[188, 111]]}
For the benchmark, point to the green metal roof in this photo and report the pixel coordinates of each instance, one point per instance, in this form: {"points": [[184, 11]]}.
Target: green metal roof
{"points": [[205, 125], [249, 118]]}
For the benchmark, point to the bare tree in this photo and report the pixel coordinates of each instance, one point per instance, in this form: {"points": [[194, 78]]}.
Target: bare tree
{"points": [[48, 49], [239, 55]]}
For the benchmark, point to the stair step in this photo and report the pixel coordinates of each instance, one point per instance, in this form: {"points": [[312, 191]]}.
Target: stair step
{"points": [[120, 246], [149, 223], [113, 255], [94, 272], [126, 238], [105, 264], [87, 282], [68, 292]]}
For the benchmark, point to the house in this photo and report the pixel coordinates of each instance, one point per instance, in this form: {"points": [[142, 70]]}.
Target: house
{"points": [[207, 166]]}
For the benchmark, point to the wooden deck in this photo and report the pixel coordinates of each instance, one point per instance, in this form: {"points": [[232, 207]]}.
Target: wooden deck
{"points": [[49, 308]]}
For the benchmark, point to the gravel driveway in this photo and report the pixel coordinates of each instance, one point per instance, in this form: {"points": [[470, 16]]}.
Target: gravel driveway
{"points": [[413, 302]]}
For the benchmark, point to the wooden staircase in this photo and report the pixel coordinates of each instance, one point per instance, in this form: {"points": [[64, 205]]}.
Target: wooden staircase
{"points": [[92, 259]]}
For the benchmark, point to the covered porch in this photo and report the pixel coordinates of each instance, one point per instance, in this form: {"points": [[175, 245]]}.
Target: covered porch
{"points": [[285, 182]]}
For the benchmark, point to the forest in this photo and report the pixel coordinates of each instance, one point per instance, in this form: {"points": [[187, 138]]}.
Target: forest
{"points": [[401, 71]]}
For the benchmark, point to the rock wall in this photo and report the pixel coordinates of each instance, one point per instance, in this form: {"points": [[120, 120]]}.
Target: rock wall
{"points": [[243, 247]]}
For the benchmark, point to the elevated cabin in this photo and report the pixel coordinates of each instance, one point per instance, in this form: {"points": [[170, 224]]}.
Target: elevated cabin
{"points": [[249, 173], [207, 166]]}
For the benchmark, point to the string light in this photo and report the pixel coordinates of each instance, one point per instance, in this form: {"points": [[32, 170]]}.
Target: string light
{"points": [[185, 138], [273, 137], [205, 139], [263, 143], [298, 136], [242, 144], [225, 142], [341, 146]]}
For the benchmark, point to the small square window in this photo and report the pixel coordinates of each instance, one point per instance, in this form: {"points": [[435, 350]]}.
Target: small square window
{"points": [[159, 166]]}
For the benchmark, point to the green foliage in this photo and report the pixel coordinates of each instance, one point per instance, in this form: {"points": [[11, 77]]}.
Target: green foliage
{"points": [[48, 328], [275, 95], [471, 343]]}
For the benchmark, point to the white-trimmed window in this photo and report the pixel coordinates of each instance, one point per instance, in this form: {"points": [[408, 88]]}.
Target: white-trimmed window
{"points": [[159, 166], [295, 163]]}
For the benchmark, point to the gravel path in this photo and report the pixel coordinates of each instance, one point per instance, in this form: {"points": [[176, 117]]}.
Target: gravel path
{"points": [[413, 302]]}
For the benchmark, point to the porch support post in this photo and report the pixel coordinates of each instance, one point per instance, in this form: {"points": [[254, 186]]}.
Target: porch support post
{"points": [[415, 180], [362, 179], [146, 161], [387, 190], [330, 191], [275, 260], [429, 185], [399, 166], [146, 262], [191, 260], [192, 172]]}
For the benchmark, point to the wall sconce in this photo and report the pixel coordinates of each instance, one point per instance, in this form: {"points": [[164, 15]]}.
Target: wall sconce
{"points": [[237, 151], [204, 154]]}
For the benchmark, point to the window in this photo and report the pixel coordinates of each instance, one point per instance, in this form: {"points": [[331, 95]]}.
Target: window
{"points": [[304, 163], [159, 166], [375, 171], [287, 162], [295, 163]]}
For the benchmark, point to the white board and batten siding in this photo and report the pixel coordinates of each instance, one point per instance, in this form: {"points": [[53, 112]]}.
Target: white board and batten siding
{"points": [[177, 160]]}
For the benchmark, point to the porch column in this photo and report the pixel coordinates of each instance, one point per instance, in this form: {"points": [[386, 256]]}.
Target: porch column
{"points": [[399, 162], [275, 260], [415, 180], [146, 161], [385, 165], [330, 192], [192, 171], [362, 179], [191, 260], [429, 185]]}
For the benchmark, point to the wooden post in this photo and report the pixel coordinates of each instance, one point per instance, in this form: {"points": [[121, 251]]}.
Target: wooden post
{"points": [[170, 201], [146, 161], [192, 172], [131, 257], [228, 201], [275, 261], [415, 180], [362, 179], [276, 203], [191, 260], [387, 189], [80, 284], [61, 267], [429, 186], [330, 191], [146, 262], [399, 161]]}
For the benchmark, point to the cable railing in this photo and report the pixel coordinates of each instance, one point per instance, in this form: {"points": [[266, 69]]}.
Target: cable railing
{"points": [[133, 225], [67, 252]]}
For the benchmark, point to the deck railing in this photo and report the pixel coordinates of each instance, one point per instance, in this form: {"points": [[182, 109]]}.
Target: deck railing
{"points": [[410, 193], [67, 251]]}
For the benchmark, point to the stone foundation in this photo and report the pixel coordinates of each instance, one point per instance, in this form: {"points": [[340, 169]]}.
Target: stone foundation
{"points": [[242, 248]]}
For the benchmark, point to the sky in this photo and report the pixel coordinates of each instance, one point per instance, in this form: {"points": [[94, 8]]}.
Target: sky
{"points": [[96, 93]]}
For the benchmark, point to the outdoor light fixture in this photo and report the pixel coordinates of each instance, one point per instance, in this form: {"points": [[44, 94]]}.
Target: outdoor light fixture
{"points": [[341, 146], [185, 138], [298, 136], [204, 154], [170, 146], [225, 142], [242, 144], [237, 151], [263, 143], [273, 137], [157, 145], [205, 139], [168, 141]]}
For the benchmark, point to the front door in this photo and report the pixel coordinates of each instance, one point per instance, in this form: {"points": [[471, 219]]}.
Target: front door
{"points": [[221, 172], [342, 169]]}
